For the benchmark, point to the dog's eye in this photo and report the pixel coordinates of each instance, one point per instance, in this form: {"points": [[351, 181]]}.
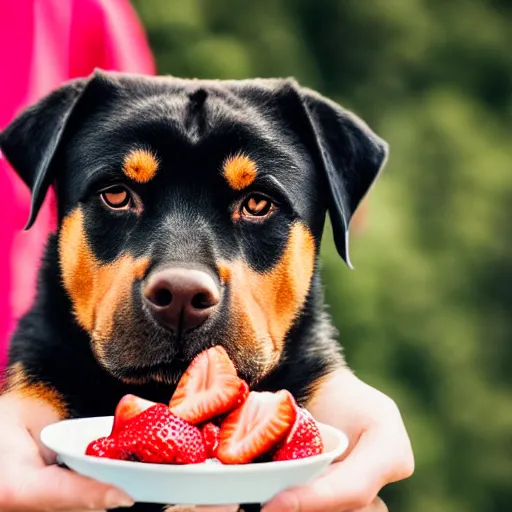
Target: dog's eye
{"points": [[257, 206], [117, 198]]}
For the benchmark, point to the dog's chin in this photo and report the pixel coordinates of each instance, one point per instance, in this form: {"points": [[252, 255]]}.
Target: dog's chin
{"points": [[162, 373], [160, 358], [142, 354], [163, 370]]}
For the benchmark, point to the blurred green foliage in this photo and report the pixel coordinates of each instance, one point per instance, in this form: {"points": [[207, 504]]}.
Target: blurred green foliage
{"points": [[427, 314]]}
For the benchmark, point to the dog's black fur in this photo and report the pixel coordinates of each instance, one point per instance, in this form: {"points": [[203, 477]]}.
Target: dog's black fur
{"points": [[312, 157]]}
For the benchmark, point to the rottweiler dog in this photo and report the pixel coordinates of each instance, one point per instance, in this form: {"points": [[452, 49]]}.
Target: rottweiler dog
{"points": [[190, 214]]}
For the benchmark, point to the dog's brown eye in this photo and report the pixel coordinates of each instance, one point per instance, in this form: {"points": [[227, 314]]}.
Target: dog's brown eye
{"points": [[117, 198], [257, 206]]}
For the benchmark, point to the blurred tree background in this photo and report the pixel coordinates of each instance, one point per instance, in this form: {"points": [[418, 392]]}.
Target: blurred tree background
{"points": [[427, 314]]}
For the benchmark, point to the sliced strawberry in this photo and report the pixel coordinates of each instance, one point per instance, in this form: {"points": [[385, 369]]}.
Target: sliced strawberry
{"points": [[208, 388], [157, 436], [256, 426], [106, 448], [211, 433], [304, 439], [243, 393], [128, 408]]}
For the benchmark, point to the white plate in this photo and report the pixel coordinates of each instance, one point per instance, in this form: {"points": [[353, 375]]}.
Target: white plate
{"points": [[195, 484]]}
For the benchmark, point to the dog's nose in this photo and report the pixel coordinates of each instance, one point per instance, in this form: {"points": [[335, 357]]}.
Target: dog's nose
{"points": [[181, 299]]}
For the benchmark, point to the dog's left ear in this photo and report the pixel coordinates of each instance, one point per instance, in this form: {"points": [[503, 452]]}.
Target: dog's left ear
{"points": [[351, 155]]}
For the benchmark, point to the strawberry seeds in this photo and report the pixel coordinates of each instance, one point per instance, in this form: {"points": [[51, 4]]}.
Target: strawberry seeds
{"points": [[212, 415]]}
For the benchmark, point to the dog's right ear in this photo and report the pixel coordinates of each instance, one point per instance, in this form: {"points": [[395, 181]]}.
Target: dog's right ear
{"points": [[31, 141]]}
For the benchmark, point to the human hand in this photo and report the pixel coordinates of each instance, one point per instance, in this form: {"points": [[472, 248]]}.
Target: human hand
{"points": [[379, 452], [30, 481]]}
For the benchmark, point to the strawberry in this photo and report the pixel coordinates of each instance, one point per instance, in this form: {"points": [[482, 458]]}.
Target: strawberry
{"points": [[304, 439], [157, 436], [190, 446], [243, 393], [107, 448], [211, 433], [256, 426], [210, 387], [129, 407]]}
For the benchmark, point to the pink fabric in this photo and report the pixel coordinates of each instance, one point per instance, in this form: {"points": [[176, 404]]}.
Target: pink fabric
{"points": [[42, 44]]}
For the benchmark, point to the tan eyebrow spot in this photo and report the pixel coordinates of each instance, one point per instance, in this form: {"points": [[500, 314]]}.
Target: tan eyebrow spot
{"points": [[140, 165], [240, 171]]}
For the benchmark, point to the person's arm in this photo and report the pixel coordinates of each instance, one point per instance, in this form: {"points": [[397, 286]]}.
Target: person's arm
{"points": [[380, 451]]}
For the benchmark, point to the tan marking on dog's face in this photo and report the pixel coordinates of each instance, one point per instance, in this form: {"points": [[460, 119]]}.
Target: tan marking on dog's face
{"points": [[224, 273], [140, 165], [240, 171], [98, 291], [18, 382], [265, 305]]}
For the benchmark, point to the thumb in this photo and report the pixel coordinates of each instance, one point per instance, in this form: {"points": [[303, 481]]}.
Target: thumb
{"points": [[54, 488]]}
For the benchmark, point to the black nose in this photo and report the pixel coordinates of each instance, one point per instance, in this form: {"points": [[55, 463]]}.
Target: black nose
{"points": [[181, 299]]}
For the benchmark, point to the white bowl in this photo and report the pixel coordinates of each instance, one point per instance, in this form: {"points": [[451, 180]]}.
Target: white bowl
{"points": [[195, 484]]}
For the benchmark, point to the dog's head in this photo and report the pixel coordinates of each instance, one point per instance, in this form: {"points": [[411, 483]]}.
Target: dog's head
{"points": [[190, 211]]}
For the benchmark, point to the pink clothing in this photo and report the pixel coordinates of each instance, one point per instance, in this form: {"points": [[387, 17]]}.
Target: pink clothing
{"points": [[42, 44]]}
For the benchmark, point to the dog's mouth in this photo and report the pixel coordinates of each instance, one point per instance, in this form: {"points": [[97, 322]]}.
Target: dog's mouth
{"points": [[165, 373], [142, 352], [161, 368]]}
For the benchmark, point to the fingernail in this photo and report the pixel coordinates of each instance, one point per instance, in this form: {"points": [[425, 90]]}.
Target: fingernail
{"points": [[117, 498]]}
